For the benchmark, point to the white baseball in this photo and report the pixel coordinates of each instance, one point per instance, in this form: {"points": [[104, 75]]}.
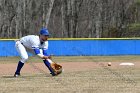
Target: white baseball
{"points": [[109, 63]]}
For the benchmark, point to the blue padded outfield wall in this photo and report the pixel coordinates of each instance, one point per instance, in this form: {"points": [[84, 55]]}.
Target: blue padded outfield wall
{"points": [[81, 47]]}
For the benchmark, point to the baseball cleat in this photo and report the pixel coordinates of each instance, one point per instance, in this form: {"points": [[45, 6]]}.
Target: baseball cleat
{"points": [[55, 74], [16, 75]]}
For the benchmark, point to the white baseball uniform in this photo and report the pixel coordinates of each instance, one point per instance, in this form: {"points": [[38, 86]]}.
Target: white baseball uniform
{"points": [[30, 43], [34, 43]]}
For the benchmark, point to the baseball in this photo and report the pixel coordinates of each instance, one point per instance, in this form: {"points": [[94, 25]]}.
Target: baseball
{"points": [[109, 63]]}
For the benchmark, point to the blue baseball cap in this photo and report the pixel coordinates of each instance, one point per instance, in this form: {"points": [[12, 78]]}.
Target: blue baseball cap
{"points": [[44, 31]]}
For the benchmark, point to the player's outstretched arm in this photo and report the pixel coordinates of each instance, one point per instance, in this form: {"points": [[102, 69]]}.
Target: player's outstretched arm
{"points": [[38, 53], [43, 56], [46, 57]]}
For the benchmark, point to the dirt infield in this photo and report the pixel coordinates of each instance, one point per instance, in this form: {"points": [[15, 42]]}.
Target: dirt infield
{"points": [[35, 68], [41, 68], [78, 77]]}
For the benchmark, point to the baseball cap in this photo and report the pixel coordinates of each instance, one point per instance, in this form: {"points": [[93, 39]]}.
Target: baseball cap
{"points": [[44, 31]]}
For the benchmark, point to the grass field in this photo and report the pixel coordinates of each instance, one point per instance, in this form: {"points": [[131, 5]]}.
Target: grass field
{"points": [[83, 74], [77, 59]]}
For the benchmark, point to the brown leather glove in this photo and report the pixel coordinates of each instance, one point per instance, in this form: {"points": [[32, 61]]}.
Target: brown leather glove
{"points": [[56, 68]]}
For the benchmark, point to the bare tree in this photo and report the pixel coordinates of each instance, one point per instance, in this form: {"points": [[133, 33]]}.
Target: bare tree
{"points": [[47, 18], [70, 18]]}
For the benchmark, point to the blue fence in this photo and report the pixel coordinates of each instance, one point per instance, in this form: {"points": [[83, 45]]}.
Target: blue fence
{"points": [[81, 47]]}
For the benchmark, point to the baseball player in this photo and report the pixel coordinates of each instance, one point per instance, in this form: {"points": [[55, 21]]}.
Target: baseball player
{"points": [[39, 46]]}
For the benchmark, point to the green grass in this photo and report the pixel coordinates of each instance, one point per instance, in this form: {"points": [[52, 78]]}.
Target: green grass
{"points": [[77, 59]]}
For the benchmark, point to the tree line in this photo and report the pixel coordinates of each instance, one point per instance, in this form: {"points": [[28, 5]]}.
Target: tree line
{"points": [[70, 18]]}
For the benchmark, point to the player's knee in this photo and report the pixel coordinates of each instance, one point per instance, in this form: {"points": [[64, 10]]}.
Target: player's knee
{"points": [[24, 59]]}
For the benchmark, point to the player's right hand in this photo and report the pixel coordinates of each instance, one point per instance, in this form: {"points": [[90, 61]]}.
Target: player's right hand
{"points": [[50, 57], [46, 57]]}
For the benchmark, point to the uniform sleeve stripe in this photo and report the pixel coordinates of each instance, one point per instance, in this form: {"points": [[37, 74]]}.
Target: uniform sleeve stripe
{"points": [[37, 51]]}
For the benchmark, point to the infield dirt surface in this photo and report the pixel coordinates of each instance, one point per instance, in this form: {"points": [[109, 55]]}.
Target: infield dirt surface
{"points": [[79, 76]]}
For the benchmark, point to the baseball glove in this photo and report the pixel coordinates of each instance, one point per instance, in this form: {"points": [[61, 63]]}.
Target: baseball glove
{"points": [[57, 69]]}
